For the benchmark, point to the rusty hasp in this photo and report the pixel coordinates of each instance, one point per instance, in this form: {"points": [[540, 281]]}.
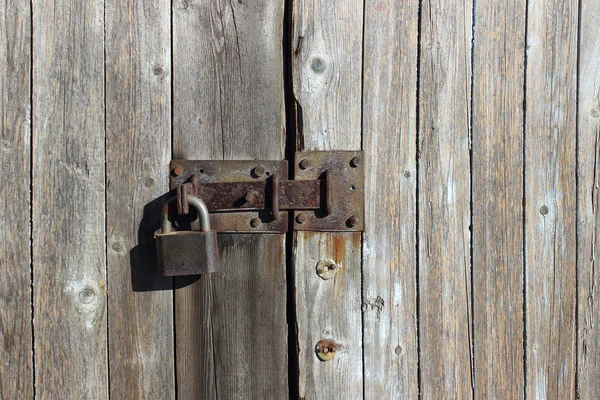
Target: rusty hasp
{"points": [[342, 207], [235, 192], [254, 196]]}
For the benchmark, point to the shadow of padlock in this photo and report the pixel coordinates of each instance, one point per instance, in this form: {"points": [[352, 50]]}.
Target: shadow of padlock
{"points": [[185, 253]]}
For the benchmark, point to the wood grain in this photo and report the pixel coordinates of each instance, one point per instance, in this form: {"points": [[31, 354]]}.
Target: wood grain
{"points": [[16, 362], [588, 224], [231, 330], [138, 145], [228, 86], [444, 200], [69, 255], [389, 241], [327, 69], [327, 73], [550, 182], [497, 175], [317, 318]]}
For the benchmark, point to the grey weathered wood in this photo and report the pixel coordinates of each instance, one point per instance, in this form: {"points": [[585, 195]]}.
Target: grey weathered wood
{"points": [[389, 241], [329, 309], [138, 145], [16, 374], [231, 330], [550, 190], [327, 69], [444, 200], [497, 136], [69, 256], [588, 336]]}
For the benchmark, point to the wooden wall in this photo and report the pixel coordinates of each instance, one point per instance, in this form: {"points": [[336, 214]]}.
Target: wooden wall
{"points": [[475, 276]]}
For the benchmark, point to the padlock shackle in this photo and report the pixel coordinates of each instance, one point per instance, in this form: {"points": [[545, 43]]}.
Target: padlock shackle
{"points": [[194, 201]]}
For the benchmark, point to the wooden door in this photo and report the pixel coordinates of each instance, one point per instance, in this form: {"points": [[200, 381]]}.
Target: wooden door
{"points": [[474, 277]]}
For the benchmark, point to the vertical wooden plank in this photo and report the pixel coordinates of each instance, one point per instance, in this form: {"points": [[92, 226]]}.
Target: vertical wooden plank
{"points": [[588, 224], [389, 242], [15, 257], [444, 200], [138, 145], [550, 184], [329, 309], [231, 331], [498, 198], [327, 69], [69, 257]]}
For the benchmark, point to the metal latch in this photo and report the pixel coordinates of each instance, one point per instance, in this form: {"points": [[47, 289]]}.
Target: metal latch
{"points": [[326, 194]]}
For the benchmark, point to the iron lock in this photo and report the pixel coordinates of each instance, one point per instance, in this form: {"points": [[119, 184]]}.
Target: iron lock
{"points": [[183, 253]]}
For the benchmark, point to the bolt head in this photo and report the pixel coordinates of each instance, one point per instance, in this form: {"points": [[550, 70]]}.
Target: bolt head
{"points": [[355, 162], [301, 218], [352, 221], [304, 164], [177, 171], [326, 269], [325, 349], [255, 222]]}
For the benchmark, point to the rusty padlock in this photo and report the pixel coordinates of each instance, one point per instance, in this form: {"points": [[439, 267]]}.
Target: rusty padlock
{"points": [[182, 253]]}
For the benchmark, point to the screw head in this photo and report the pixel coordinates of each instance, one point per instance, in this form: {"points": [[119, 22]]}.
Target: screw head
{"points": [[326, 269], [255, 222], [258, 171], [325, 349], [301, 218], [177, 171], [304, 164], [355, 162]]}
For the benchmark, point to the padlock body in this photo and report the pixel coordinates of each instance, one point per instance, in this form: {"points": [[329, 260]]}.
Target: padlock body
{"points": [[183, 253]]}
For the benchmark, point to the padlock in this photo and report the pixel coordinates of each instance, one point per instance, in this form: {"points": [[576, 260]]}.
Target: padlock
{"points": [[182, 253]]}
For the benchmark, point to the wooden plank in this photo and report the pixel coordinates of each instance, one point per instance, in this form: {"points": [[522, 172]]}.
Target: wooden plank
{"points": [[497, 173], [588, 223], [69, 257], [318, 299], [138, 145], [550, 198], [16, 361], [444, 200], [389, 242], [326, 69], [231, 331]]}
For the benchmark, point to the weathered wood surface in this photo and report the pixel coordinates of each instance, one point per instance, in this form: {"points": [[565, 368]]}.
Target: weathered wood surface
{"points": [[329, 309], [550, 199], [588, 224], [69, 255], [326, 44], [444, 200], [327, 72], [231, 328], [497, 184], [138, 146], [420, 306], [16, 363], [389, 242]]}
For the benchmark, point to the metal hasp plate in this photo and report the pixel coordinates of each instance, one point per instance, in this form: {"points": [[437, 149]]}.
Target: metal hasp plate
{"points": [[327, 193], [345, 192], [234, 185]]}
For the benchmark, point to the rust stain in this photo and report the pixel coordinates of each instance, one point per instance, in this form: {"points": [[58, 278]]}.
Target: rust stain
{"points": [[102, 286], [339, 247]]}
